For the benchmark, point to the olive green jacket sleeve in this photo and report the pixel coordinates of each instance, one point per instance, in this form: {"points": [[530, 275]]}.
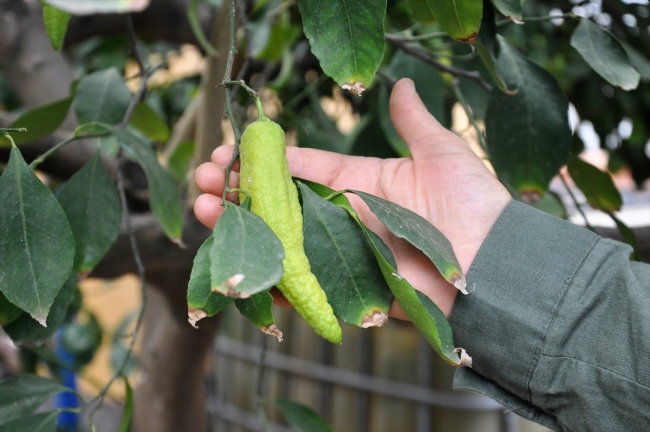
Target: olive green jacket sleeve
{"points": [[558, 325]]}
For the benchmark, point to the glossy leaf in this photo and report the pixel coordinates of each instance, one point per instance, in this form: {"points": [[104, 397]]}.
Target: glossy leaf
{"points": [[346, 36], [39, 122], [628, 236], [201, 300], [510, 8], [8, 311], [258, 310], [41, 422], [102, 97], [404, 223], [21, 394], [301, 418], [421, 12], [429, 86], [149, 123], [27, 330], [422, 312], [125, 423], [56, 25], [343, 262], [461, 19], [605, 54], [528, 135], [92, 206], [164, 198], [246, 256], [36, 243], [87, 7], [597, 185]]}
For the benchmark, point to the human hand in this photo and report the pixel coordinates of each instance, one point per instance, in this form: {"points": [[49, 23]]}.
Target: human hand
{"points": [[443, 181]]}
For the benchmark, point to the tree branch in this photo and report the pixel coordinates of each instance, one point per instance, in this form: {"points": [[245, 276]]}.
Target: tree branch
{"points": [[404, 45]]}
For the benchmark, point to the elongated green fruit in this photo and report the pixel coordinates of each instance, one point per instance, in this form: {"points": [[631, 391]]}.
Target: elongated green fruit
{"points": [[264, 176]]}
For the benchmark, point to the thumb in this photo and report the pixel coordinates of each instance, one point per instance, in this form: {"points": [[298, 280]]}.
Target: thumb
{"points": [[421, 132]]}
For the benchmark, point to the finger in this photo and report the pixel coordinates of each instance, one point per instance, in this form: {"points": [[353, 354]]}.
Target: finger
{"points": [[417, 127], [222, 156], [210, 179], [208, 209]]}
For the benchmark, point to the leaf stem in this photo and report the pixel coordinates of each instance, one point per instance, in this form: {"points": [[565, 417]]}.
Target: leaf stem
{"points": [[5, 130], [260, 387]]}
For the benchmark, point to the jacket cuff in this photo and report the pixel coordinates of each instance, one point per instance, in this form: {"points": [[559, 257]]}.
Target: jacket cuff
{"points": [[518, 278]]}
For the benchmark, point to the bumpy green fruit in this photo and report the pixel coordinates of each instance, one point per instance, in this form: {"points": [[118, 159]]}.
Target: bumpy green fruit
{"points": [[265, 178]]}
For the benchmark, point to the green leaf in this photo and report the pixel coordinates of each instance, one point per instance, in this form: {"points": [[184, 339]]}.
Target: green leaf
{"points": [[368, 138], [344, 262], [421, 12], [551, 204], [56, 25], [403, 223], [27, 330], [461, 19], [41, 422], [487, 46], [347, 37], [301, 418], [125, 423], [201, 301], [429, 86], [102, 97], [87, 7], [21, 394], [8, 311], [149, 123], [92, 206], [272, 33], [511, 9], [528, 134], [605, 54], [422, 312], [39, 122], [640, 62], [629, 237], [597, 185], [164, 198], [258, 310], [179, 161], [246, 256], [36, 243], [195, 24], [82, 339], [317, 130]]}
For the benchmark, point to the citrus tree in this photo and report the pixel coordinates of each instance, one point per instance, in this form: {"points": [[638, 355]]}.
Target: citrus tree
{"points": [[514, 70]]}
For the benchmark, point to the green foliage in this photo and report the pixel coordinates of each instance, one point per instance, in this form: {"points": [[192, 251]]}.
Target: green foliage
{"points": [[36, 243], [597, 185], [346, 36], [240, 239], [39, 122], [101, 97], [461, 19], [300, 417], [56, 24], [20, 395]]}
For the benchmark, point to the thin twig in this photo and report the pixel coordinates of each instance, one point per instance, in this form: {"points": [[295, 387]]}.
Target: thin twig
{"points": [[261, 368], [577, 204], [470, 115], [422, 55], [127, 221], [569, 15], [227, 78]]}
